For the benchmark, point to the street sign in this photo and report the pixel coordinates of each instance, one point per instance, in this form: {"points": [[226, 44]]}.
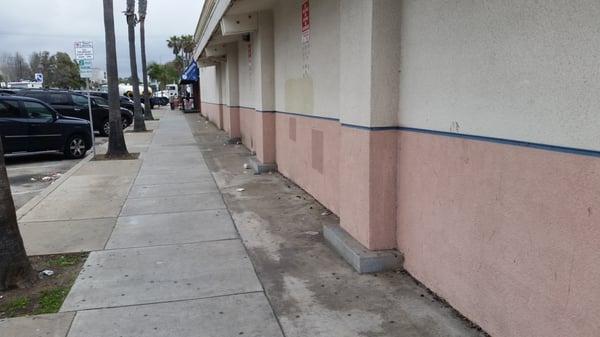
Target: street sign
{"points": [[84, 50], [305, 21], [85, 68], [39, 77], [84, 54]]}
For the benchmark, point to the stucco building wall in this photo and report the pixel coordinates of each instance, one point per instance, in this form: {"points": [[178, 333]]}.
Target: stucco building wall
{"points": [[462, 134], [504, 232]]}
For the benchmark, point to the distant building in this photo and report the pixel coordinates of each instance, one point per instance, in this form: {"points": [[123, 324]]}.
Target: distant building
{"points": [[98, 76], [24, 85]]}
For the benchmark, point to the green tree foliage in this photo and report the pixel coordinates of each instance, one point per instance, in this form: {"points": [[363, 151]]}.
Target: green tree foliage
{"points": [[63, 72], [164, 73], [182, 47], [40, 63], [187, 47], [59, 70], [174, 42]]}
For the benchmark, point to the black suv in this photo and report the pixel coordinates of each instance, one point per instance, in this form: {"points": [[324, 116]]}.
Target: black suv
{"points": [[76, 105], [124, 101], [29, 125]]}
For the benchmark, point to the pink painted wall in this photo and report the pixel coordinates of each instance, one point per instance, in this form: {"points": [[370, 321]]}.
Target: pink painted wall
{"points": [[264, 135], [319, 174], [247, 120], [368, 186], [231, 121], [214, 112], [510, 236]]}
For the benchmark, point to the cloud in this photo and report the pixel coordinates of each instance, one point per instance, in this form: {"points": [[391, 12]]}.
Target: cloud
{"points": [[35, 25]]}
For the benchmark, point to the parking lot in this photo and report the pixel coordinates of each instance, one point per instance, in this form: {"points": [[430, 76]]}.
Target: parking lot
{"points": [[32, 173]]}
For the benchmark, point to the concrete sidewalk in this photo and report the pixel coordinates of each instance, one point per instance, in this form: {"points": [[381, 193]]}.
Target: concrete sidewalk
{"points": [[167, 258], [173, 265]]}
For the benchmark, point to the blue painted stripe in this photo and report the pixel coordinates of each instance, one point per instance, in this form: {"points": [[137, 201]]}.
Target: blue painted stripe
{"points": [[309, 116], [554, 148], [539, 146], [370, 128]]}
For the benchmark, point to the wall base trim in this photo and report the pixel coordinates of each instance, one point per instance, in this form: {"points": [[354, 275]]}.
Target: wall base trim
{"points": [[259, 167], [234, 140], [360, 258]]}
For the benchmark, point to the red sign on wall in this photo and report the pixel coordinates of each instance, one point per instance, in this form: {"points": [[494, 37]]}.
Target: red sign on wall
{"points": [[305, 21]]}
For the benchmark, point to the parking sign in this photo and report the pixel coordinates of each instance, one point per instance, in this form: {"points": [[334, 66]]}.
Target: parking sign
{"points": [[85, 68], [84, 50]]}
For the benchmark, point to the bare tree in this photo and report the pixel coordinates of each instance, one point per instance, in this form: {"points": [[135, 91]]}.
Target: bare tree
{"points": [[138, 118], [143, 4], [15, 268], [116, 140], [15, 67]]}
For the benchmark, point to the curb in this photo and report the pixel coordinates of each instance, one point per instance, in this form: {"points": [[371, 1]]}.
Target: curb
{"points": [[21, 212]]}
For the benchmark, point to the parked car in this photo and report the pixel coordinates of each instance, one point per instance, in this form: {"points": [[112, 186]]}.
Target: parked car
{"points": [[162, 100], [7, 92], [30, 125], [124, 101], [73, 104]]}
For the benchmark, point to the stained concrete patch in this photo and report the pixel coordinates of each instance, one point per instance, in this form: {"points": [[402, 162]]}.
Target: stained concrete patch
{"points": [[188, 146], [53, 325], [174, 178], [169, 164], [240, 315], [83, 197], [172, 228], [174, 170], [185, 203], [167, 190], [66, 236], [109, 168], [164, 273]]}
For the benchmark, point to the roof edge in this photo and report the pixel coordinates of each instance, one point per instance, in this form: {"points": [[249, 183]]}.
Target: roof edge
{"points": [[212, 12]]}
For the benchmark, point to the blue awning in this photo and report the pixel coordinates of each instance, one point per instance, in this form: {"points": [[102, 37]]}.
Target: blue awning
{"points": [[191, 74]]}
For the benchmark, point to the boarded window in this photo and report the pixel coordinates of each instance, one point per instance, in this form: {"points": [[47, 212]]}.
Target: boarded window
{"points": [[292, 131], [317, 150]]}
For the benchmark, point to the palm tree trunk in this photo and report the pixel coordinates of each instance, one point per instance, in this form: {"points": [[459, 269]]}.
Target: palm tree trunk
{"points": [[15, 269], [116, 140], [148, 110], [138, 118]]}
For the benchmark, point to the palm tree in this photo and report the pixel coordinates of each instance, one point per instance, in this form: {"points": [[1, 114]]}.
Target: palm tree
{"points": [[187, 46], [174, 42], [116, 141], [138, 118], [15, 268], [143, 4]]}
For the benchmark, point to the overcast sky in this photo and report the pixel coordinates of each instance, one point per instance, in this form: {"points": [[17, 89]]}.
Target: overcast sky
{"points": [[53, 25]]}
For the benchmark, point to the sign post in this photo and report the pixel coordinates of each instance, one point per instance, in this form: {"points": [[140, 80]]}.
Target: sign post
{"points": [[84, 54]]}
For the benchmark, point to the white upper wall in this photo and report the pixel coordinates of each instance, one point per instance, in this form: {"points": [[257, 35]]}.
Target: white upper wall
{"points": [[307, 79], [209, 88], [521, 70], [355, 61], [245, 74]]}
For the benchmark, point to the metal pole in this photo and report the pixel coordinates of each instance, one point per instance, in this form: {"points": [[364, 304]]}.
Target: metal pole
{"points": [[87, 85]]}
